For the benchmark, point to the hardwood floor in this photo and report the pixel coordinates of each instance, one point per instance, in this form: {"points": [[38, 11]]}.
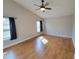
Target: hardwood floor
{"points": [[42, 47]]}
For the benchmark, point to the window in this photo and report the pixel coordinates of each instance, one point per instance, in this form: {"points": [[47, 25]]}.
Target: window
{"points": [[6, 28], [39, 26], [9, 29]]}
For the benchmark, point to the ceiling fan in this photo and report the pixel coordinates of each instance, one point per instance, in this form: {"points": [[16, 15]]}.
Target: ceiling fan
{"points": [[43, 6]]}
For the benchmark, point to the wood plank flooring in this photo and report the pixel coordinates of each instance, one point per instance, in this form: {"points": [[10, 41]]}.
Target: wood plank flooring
{"points": [[42, 47]]}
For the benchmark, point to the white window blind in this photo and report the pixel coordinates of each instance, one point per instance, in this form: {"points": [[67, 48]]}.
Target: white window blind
{"points": [[38, 26], [6, 28]]}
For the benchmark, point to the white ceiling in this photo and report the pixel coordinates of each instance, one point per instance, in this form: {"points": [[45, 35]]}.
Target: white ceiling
{"points": [[59, 7]]}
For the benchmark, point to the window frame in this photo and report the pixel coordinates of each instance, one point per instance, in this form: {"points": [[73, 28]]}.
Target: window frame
{"points": [[40, 26], [12, 29]]}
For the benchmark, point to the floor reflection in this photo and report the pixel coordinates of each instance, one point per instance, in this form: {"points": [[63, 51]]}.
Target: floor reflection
{"points": [[40, 45], [9, 55]]}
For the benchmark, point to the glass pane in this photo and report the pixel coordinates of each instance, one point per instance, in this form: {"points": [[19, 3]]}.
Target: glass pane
{"points": [[38, 26], [6, 28]]}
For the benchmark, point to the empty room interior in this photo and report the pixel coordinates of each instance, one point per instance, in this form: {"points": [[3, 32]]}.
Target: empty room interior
{"points": [[38, 29]]}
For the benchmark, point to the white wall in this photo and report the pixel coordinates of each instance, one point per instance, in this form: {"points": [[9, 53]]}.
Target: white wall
{"points": [[73, 32], [25, 21], [60, 26]]}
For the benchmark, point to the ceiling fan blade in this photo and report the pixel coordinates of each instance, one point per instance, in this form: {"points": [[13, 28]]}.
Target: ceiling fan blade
{"points": [[36, 5], [49, 8], [46, 4], [38, 9]]}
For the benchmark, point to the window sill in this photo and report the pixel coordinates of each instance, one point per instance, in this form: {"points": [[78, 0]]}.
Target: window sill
{"points": [[6, 39]]}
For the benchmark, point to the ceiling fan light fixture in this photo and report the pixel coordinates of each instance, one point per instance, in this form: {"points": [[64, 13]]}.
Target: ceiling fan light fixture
{"points": [[42, 9]]}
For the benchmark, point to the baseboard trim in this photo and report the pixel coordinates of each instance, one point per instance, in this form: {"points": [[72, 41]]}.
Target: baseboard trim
{"points": [[64, 36], [22, 40]]}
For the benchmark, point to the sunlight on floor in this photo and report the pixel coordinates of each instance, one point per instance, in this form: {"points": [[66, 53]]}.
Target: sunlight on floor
{"points": [[9, 55], [44, 40]]}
